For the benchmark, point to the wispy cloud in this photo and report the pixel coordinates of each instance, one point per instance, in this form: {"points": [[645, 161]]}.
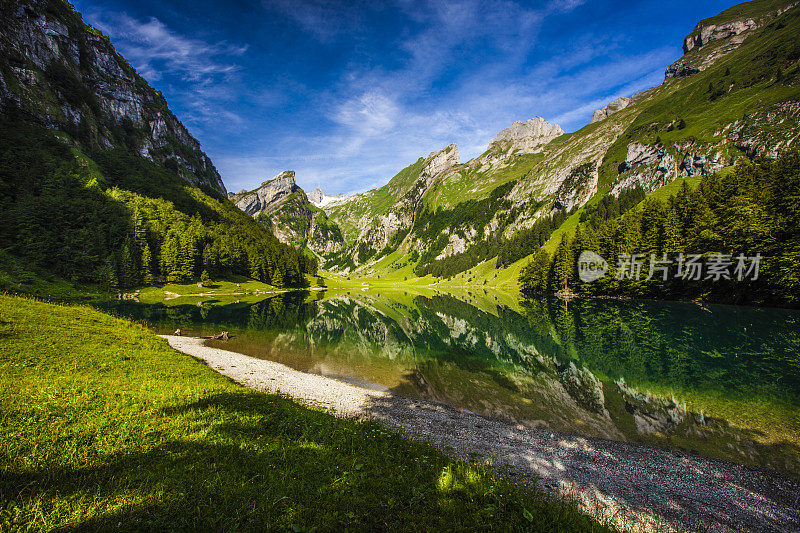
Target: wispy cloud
{"points": [[154, 49], [368, 87], [324, 20], [385, 119]]}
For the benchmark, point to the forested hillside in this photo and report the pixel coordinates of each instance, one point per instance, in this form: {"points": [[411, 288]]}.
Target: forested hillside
{"points": [[733, 97], [99, 182], [752, 211]]}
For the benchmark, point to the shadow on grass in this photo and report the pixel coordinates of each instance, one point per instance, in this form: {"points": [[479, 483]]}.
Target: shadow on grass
{"points": [[632, 483], [249, 461]]}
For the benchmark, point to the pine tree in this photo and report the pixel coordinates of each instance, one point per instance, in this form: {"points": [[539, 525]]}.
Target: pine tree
{"points": [[147, 265], [257, 267], [562, 268], [534, 275], [127, 272], [278, 277], [187, 253], [170, 250], [671, 237]]}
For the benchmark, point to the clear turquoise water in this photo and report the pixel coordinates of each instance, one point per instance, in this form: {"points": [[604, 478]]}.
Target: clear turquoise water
{"points": [[721, 381]]}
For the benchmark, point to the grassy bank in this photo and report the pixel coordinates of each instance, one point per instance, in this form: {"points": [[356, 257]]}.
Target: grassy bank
{"points": [[104, 426]]}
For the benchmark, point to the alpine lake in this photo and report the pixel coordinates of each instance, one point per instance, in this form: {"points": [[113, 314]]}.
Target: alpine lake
{"points": [[713, 380]]}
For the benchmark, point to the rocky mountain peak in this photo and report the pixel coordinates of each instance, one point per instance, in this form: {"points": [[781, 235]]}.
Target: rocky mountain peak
{"points": [[268, 196], [282, 182], [529, 135], [316, 196], [616, 105], [441, 160], [320, 199]]}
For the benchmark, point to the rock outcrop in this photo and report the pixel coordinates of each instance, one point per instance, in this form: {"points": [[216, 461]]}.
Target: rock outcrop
{"points": [[652, 166], [284, 207], [268, 196], [705, 33], [526, 137], [579, 186], [69, 77], [726, 36], [377, 233], [616, 105], [322, 200]]}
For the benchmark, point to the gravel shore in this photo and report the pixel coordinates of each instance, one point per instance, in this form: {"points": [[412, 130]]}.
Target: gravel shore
{"points": [[633, 486]]}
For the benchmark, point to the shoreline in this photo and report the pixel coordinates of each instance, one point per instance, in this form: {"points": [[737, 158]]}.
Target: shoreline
{"points": [[632, 486]]}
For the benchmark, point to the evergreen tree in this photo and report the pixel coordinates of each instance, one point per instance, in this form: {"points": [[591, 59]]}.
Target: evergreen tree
{"points": [[278, 277], [127, 277], [671, 243], [147, 265], [562, 265], [187, 262]]}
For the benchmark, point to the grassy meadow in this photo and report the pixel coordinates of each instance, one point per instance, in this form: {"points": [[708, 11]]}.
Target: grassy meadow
{"points": [[104, 426]]}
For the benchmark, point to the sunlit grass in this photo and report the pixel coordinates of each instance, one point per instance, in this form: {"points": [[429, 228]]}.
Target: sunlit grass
{"points": [[103, 426]]}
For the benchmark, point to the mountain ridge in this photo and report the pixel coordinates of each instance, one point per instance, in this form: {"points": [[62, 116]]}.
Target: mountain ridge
{"points": [[705, 116], [68, 76], [100, 183]]}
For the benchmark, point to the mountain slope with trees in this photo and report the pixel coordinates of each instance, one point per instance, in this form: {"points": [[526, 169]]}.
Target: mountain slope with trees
{"points": [[99, 182], [753, 211], [733, 97]]}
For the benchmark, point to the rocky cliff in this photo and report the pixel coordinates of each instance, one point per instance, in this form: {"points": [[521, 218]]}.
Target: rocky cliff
{"points": [[320, 199], [285, 208], [67, 76], [526, 137], [721, 35], [616, 105], [380, 220], [270, 195], [734, 95]]}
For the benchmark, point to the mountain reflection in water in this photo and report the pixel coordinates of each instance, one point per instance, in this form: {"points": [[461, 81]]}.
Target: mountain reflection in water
{"points": [[721, 381]]}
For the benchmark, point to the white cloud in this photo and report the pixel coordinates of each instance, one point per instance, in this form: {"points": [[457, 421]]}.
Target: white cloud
{"points": [[154, 49]]}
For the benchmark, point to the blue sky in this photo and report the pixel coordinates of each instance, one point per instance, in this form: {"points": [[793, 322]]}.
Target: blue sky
{"points": [[348, 93]]}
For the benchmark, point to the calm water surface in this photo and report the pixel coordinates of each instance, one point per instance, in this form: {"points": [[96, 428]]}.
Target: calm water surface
{"points": [[720, 381]]}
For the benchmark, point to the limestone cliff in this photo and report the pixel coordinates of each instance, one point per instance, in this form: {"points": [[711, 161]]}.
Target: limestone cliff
{"points": [[284, 207], [67, 75], [268, 196], [526, 137], [616, 105]]}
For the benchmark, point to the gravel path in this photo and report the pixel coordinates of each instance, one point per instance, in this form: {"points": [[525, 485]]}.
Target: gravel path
{"points": [[636, 487]]}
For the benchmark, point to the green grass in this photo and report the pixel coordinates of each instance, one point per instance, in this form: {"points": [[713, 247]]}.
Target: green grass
{"points": [[233, 285], [469, 184], [103, 426], [748, 85], [375, 202], [754, 9], [671, 189], [20, 277]]}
